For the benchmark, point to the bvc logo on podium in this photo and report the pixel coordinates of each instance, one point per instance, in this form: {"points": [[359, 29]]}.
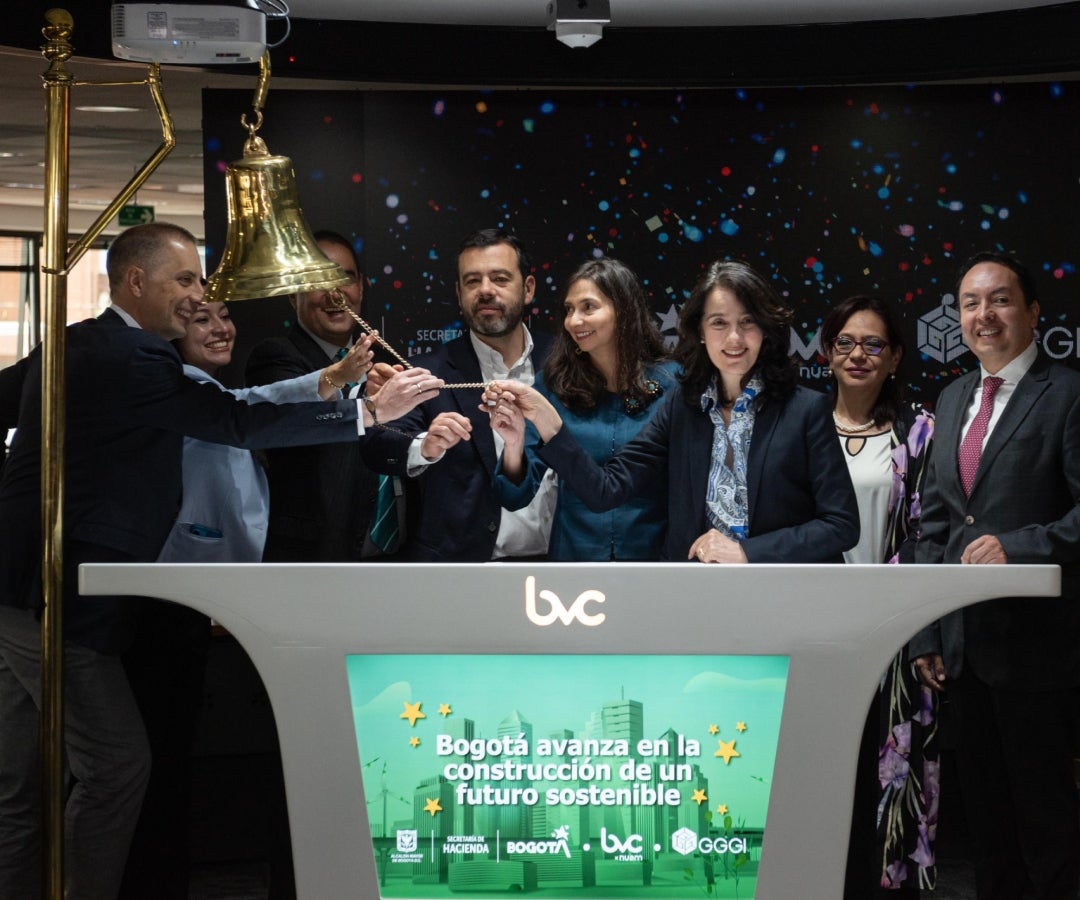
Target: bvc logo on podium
{"points": [[557, 611]]}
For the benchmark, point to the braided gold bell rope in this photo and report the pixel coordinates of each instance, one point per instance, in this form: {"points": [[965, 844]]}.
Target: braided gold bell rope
{"points": [[338, 299]]}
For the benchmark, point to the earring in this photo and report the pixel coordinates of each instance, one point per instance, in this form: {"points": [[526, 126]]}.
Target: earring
{"points": [[577, 350]]}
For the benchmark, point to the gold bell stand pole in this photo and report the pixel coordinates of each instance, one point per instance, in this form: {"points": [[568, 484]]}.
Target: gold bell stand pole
{"points": [[57, 262]]}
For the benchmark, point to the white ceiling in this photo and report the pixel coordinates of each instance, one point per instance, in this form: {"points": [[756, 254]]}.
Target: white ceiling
{"points": [[650, 13], [107, 148]]}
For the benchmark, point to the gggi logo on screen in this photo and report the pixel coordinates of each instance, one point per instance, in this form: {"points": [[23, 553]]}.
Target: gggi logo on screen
{"points": [[556, 609], [685, 841]]}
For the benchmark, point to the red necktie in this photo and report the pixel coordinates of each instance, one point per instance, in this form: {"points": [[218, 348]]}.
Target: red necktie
{"points": [[971, 448]]}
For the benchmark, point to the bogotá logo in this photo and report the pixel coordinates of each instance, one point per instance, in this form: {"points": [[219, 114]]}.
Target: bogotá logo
{"points": [[557, 611], [406, 840], [939, 332], [557, 844]]}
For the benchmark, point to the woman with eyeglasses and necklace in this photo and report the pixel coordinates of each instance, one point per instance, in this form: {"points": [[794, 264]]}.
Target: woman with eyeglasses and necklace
{"points": [[885, 445], [746, 457]]}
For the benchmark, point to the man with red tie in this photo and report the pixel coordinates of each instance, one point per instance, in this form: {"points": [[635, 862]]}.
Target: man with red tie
{"points": [[1003, 486]]}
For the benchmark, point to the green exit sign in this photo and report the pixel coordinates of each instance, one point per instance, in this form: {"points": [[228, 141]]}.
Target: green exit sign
{"points": [[135, 215]]}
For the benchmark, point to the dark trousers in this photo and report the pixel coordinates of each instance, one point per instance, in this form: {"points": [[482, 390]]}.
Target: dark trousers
{"points": [[166, 667], [1014, 753], [107, 755]]}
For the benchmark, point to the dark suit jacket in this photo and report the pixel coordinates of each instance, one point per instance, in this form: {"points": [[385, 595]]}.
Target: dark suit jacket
{"points": [[322, 498], [1026, 493], [801, 503], [129, 406], [459, 510]]}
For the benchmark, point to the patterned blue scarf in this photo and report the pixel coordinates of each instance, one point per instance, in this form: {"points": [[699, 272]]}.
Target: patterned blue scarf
{"points": [[726, 499]]}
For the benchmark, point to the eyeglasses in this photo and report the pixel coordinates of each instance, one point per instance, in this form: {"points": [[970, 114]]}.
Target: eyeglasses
{"points": [[871, 346]]}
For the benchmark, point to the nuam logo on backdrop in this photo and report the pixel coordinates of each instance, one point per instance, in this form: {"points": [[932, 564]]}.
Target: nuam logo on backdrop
{"points": [[808, 354], [557, 611]]}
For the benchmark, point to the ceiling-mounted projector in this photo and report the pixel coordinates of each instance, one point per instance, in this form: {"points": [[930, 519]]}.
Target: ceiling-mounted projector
{"points": [[188, 33], [578, 23]]}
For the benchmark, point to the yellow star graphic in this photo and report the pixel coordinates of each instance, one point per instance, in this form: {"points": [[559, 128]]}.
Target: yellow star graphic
{"points": [[433, 806], [727, 751], [414, 741], [699, 797], [740, 727], [412, 713], [722, 809], [444, 709], [714, 729]]}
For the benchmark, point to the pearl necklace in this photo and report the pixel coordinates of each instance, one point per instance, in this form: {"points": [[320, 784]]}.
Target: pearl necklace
{"points": [[851, 429]]}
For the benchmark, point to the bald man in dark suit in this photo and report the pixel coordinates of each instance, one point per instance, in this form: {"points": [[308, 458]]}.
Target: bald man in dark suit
{"points": [[129, 406]]}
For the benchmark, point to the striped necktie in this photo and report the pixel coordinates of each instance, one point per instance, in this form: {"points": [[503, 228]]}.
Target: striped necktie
{"points": [[384, 521]]}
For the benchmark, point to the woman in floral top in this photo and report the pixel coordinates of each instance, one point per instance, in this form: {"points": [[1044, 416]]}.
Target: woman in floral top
{"points": [[885, 445]]}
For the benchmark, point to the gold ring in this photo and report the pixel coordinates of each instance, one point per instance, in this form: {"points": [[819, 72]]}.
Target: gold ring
{"points": [[701, 552]]}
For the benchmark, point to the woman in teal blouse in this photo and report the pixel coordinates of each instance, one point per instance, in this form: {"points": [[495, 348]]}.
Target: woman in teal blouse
{"points": [[603, 375]]}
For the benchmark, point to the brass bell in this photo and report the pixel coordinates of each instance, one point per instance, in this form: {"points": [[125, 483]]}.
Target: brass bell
{"points": [[269, 248]]}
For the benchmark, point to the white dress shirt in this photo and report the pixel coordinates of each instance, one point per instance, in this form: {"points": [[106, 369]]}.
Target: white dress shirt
{"points": [[1012, 373], [522, 532]]}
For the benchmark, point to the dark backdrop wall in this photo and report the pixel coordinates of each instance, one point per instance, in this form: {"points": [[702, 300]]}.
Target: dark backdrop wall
{"points": [[827, 191]]}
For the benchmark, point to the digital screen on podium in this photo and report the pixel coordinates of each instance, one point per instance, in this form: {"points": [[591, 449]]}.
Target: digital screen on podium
{"points": [[595, 775]]}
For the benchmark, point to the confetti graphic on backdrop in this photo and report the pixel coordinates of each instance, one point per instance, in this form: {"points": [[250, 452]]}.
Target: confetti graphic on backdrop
{"points": [[828, 191]]}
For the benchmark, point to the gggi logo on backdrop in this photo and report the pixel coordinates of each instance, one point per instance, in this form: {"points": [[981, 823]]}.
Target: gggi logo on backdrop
{"points": [[939, 332], [1061, 342]]}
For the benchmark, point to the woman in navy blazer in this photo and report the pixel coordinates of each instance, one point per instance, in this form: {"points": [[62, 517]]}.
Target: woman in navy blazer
{"points": [[753, 469]]}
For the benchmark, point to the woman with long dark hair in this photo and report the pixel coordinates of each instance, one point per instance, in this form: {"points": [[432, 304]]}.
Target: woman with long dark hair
{"points": [[604, 375], [751, 471]]}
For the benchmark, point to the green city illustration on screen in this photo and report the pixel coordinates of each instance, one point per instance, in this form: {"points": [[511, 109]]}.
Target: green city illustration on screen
{"points": [[607, 776]]}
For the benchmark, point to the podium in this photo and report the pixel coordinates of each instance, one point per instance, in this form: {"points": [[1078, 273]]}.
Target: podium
{"points": [[766, 671]]}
